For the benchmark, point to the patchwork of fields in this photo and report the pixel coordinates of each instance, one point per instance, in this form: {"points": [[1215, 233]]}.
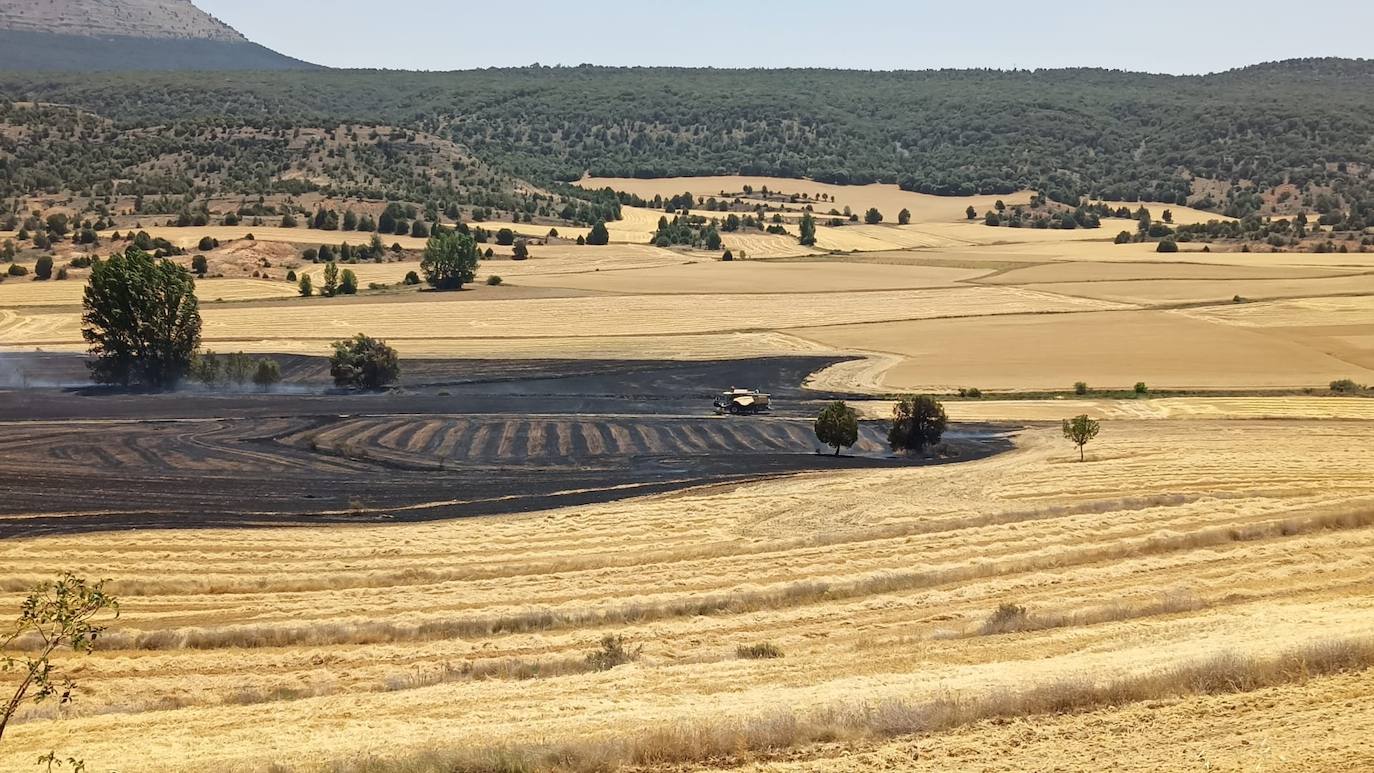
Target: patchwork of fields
{"points": [[426, 580]]}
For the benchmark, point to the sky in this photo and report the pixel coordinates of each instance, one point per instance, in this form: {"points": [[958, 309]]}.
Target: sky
{"points": [[1170, 36]]}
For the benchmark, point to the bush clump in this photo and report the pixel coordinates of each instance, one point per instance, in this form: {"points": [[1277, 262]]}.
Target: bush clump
{"points": [[614, 651], [762, 651]]}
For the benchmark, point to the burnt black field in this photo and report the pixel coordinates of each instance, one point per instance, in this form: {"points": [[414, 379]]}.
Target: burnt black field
{"points": [[459, 438]]}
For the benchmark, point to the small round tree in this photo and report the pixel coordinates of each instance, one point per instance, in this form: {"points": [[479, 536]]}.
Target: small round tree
{"points": [[1080, 431], [363, 362], [838, 426], [599, 235], [917, 424]]}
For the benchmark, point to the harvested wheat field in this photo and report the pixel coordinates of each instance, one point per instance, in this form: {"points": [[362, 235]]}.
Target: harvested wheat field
{"points": [[824, 621], [456, 318], [1113, 349], [69, 292], [889, 199], [750, 277]]}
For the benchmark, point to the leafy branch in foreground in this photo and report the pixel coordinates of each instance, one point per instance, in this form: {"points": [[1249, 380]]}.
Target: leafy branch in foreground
{"points": [[62, 615]]}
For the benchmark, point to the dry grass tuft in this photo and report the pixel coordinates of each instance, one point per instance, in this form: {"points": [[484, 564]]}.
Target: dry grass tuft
{"points": [[762, 651]]}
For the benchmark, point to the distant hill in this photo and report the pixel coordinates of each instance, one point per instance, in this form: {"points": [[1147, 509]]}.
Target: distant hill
{"points": [[114, 35]]}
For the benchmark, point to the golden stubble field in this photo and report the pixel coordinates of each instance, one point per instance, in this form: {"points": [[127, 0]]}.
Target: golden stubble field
{"points": [[1194, 583]]}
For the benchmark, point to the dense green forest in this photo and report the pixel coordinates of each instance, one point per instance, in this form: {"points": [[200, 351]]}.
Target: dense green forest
{"points": [[1068, 133]]}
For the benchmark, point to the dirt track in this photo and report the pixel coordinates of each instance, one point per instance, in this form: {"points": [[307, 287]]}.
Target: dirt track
{"points": [[460, 439]]}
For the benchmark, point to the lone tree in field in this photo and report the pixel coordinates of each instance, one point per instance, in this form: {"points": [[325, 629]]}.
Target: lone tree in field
{"points": [[599, 235], [363, 362], [808, 230], [57, 616], [1080, 431], [141, 319], [917, 424], [904, 217], [838, 426], [873, 216], [450, 260]]}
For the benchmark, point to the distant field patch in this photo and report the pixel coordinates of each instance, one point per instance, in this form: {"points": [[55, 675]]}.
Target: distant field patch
{"points": [[1109, 349]]}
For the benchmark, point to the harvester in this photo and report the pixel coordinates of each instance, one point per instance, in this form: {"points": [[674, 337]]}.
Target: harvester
{"points": [[742, 402]]}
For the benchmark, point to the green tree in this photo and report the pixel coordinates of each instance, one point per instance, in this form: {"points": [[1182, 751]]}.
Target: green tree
{"points": [[807, 230], [141, 319], [331, 280], [904, 217], [348, 282], [64, 614], [42, 268], [917, 423], [971, 213], [873, 216], [838, 426], [199, 265], [599, 235], [450, 260], [522, 250], [306, 287], [412, 278], [1168, 245], [267, 374], [363, 362], [505, 237], [1080, 431]]}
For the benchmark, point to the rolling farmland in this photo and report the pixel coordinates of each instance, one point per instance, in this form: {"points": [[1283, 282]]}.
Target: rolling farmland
{"points": [[1180, 543]]}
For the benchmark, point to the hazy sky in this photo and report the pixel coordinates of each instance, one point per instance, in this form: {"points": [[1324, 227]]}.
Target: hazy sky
{"points": [[1159, 36]]}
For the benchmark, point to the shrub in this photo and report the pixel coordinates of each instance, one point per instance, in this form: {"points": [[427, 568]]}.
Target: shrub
{"points": [[17, 270], [267, 374], [917, 423], [613, 652], [1168, 245], [1347, 386], [1141, 388], [199, 265], [364, 362], [493, 281], [290, 276], [761, 651], [206, 244], [1080, 388], [728, 256], [1006, 618], [412, 278], [972, 392]]}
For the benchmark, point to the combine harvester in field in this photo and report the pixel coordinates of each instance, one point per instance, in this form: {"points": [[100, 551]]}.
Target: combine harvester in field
{"points": [[743, 402]]}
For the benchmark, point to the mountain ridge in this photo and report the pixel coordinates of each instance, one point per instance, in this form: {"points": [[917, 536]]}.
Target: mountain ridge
{"points": [[118, 35]]}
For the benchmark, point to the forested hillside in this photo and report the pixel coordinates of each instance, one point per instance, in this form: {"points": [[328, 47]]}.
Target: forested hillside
{"points": [[1237, 142]]}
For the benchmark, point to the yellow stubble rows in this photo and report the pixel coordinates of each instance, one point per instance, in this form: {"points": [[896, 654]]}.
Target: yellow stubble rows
{"points": [[1031, 527]]}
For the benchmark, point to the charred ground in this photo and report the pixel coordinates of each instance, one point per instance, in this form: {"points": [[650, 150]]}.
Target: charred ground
{"points": [[460, 438]]}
